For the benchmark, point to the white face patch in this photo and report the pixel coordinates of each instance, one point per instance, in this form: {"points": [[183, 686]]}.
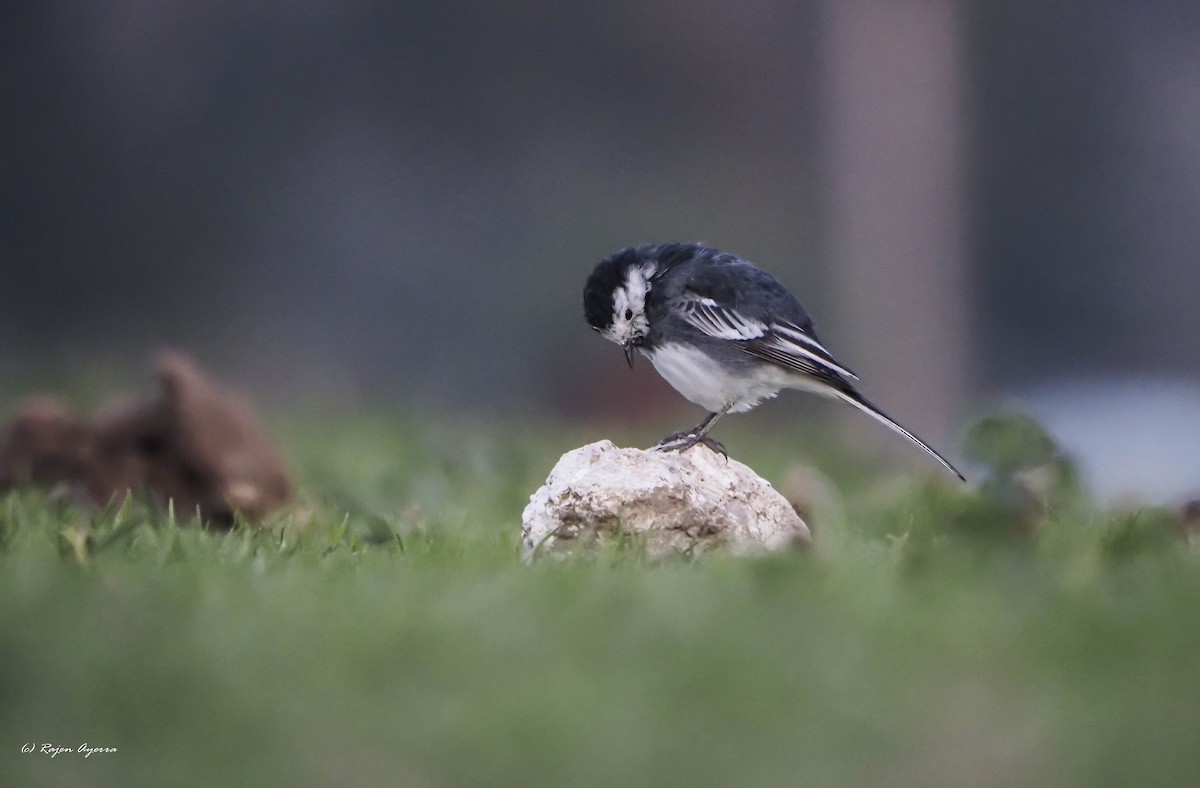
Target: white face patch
{"points": [[629, 306]]}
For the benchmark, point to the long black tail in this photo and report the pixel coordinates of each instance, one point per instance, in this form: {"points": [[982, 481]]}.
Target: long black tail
{"points": [[851, 395]]}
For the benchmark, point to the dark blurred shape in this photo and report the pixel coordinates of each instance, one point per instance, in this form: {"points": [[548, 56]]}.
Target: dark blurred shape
{"points": [[1008, 442], [1027, 478], [1190, 516], [43, 444], [194, 442], [1024, 485]]}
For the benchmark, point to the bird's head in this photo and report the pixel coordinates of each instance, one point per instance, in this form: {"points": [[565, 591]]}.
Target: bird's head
{"points": [[614, 298]]}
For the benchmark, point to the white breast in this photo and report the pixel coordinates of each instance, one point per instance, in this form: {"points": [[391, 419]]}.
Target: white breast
{"points": [[705, 382]]}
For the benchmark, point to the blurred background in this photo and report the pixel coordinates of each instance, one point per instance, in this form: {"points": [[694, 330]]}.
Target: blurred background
{"points": [[360, 203]]}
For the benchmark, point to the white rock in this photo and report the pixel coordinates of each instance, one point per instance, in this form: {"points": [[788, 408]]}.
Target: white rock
{"points": [[668, 502]]}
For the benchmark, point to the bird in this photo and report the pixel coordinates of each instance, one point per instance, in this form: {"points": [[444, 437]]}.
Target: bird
{"points": [[723, 332]]}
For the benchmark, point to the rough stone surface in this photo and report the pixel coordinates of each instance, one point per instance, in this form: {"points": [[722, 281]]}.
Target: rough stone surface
{"points": [[669, 502]]}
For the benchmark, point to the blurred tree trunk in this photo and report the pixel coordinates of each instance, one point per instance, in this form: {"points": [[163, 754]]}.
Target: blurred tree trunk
{"points": [[897, 251]]}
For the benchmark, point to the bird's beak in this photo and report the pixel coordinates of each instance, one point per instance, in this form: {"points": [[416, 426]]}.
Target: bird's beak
{"points": [[628, 348]]}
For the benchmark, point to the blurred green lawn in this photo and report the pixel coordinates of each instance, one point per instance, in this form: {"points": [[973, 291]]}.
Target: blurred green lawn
{"points": [[386, 633]]}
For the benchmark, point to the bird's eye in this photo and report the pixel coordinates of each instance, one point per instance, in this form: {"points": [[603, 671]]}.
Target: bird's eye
{"points": [[629, 314]]}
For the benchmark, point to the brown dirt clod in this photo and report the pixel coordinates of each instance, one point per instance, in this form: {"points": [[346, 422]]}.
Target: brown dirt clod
{"points": [[194, 442], [43, 444]]}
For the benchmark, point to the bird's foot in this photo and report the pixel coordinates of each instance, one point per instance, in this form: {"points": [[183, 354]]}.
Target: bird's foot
{"points": [[682, 441]]}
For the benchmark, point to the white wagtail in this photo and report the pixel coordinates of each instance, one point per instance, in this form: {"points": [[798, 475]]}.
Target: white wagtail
{"points": [[723, 332]]}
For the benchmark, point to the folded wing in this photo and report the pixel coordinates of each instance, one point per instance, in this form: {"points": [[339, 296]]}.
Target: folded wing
{"points": [[778, 342]]}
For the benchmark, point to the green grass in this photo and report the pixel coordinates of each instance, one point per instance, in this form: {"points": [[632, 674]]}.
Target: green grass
{"points": [[387, 633]]}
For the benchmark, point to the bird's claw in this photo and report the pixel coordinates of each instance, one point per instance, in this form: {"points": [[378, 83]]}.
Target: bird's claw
{"points": [[674, 437], [682, 441]]}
